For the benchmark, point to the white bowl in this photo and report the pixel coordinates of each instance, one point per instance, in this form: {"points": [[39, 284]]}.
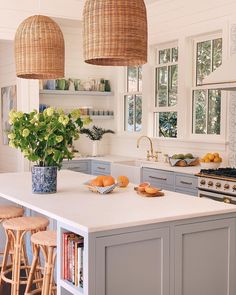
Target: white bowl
{"points": [[210, 165]]}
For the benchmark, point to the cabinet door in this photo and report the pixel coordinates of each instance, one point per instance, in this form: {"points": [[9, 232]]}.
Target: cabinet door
{"points": [[133, 263], [205, 258], [159, 178]]}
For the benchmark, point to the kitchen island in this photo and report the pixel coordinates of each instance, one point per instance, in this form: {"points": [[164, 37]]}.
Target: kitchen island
{"points": [[177, 244]]}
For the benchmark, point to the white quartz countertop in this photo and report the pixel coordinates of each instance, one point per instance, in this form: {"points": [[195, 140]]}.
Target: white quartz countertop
{"points": [[76, 206], [144, 163]]}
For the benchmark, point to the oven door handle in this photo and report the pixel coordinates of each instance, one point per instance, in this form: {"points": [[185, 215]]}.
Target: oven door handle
{"points": [[226, 200]]}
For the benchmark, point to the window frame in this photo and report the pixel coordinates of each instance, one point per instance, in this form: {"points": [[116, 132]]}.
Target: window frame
{"points": [[155, 107], [124, 130], [193, 135]]}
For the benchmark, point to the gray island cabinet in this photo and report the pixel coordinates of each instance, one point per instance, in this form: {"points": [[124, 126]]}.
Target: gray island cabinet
{"points": [[174, 245]]}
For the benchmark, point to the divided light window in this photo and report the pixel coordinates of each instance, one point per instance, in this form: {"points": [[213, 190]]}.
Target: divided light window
{"points": [[206, 102], [133, 100], [166, 92]]}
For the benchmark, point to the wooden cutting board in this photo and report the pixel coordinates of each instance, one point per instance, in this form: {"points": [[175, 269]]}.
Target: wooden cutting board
{"points": [[144, 194]]}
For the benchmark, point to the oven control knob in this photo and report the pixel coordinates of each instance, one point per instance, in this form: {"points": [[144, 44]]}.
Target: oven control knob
{"points": [[226, 186], [234, 188], [203, 182], [210, 183], [218, 184]]}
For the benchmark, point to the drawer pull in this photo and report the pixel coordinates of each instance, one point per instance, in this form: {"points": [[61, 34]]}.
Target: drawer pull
{"points": [[188, 183], [158, 178], [101, 168]]}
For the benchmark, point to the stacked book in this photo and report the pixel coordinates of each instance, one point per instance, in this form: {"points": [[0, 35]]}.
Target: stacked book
{"points": [[73, 249]]}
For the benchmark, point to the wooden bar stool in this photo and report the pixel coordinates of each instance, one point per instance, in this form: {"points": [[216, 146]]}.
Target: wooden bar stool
{"points": [[16, 229], [7, 212], [46, 241]]}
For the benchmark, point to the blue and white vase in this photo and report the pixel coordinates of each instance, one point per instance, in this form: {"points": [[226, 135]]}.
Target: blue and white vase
{"points": [[44, 180]]}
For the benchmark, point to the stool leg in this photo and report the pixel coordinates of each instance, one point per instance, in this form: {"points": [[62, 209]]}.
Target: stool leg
{"points": [[48, 271], [32, 270], [6, 255], [17, 262], [53, 285]]}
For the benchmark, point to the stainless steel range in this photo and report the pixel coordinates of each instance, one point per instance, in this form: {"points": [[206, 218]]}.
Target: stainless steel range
{"points": [[218, 184]]}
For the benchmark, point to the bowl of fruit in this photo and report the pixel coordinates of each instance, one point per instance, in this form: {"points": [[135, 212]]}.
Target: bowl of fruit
{"points": [[105, 184], [183, 160], [211, 161]]}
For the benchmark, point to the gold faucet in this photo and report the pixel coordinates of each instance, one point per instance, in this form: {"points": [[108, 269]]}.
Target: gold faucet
{"points": [[150, 154]]}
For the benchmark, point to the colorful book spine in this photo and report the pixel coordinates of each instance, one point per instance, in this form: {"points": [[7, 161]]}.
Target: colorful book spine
{"points": [[73, 246]]}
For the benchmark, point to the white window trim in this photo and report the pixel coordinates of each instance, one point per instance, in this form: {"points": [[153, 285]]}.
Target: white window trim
{"points": [[155, 107], [123, 132], [201, 137]]}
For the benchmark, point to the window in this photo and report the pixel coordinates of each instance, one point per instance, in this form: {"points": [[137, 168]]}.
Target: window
{"points": [[166, 93], [133, 100], [206, 102]]}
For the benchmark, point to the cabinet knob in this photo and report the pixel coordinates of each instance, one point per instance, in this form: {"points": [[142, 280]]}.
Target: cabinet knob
{"points": [[226, 186]]}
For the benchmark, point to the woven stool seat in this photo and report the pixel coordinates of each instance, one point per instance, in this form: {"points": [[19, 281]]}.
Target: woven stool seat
{"points": [[10, 212], [45, 238], [26, 223], [45, 243]]}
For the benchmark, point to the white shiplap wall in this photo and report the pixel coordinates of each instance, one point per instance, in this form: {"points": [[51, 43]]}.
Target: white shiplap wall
{"points": [[8, 156]]}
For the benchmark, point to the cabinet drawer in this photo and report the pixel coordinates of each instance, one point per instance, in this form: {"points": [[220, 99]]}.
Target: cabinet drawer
{"points": [[78, 166], [101, 168], [187, 192], [183, 181], [163, 179]]}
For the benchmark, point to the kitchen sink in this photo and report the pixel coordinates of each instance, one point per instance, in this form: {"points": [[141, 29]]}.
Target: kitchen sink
{"points": [[132, 163], [131, 169]]}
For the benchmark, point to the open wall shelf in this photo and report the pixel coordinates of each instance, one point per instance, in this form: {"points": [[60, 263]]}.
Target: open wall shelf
{"points": [[75, 93]]}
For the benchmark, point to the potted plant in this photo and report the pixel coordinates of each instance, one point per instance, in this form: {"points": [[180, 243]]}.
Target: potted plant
{"points": [[95, 134], [44, 139]]}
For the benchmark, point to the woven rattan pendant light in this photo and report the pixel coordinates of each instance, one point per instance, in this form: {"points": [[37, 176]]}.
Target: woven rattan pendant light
{"points": [[39, 49], [115, 32]]}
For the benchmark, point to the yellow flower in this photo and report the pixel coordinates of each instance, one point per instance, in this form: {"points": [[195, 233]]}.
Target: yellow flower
{"points": [[87, 120], [66, 120], [25, 132], [60, 112], [50, 111], [26, 153], [19, 115], [12, 114], [49, 151], [61, 119], [59, 138], [11, 135], [76, 114], [11, 144]]}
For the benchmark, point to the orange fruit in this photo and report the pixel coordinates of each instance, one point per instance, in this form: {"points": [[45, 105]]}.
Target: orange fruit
{"points": [[142, 186], [96, 182], [151, 190], [100, 177], [216, 155], [108, 181], [217, 160], [211, 157], [123, 181]]}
